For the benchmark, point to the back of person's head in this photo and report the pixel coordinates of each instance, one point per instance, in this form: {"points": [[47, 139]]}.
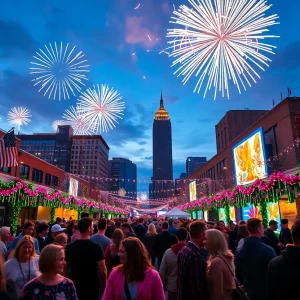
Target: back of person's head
{"points": [[126, 225], [196, 229], [48, 258], [216, 243], [23, 240], [118, 224], [137, 259], [58, 220], [141, 220], [117, 236], [102, 224], [253, 225], [170, 222], [4, 230], [296, 234], [242, 231], [61, 239], [84, 224], [42, 227], [165, 225], [152, 229], [242, 222], [182, 234], [75, 227], [2, 275]]}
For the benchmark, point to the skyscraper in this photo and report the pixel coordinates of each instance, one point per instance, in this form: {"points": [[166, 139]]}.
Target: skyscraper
{"points": [[193, 164], [162, 155]]}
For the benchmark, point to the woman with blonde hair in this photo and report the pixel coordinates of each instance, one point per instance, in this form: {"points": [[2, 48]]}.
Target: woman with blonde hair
{"points": [[23, 265], [220, 267], [7, 288], [61, 240], [50, 285], [150, 238]]}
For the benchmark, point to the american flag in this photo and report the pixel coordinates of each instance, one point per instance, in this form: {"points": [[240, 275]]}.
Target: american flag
{"points": [[8, 150]]}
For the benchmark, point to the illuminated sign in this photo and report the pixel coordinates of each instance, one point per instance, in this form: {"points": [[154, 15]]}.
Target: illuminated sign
{"points": [[73, 187], [222, 214], [249, 158], [251, 211], [273, 213], [193, 191], [199, 214]]}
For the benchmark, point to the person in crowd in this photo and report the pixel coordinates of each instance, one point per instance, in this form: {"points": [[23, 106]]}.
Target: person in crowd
{"points": [[117, 225], [192, 266], [127, 230], [28, 229], [69, 229], [242, 222], [76, 233], [220, 266], [135, 277], [168, 267], [271, 236], [50, 284], [4, 237], [285, 236], [140, 230], [252, 261], [41, 232], [100, 238], [86, 262], [283, 273], [7, 288], [232, 236], [242, 234], [56, 229], [172, 229], [225, 229], [61, 240], [210, 225], [110, 229], [162, 242], [23, 266], [111, 252], [150, 238]]}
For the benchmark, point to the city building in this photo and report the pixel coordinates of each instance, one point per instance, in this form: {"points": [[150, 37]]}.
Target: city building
{"points": [[162, 155], [182, 176], [233, 124], [123, 173], [89, 157], [193, 164], [54, 148]]}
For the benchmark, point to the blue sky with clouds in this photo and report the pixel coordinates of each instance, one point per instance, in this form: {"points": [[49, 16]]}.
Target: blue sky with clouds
{"points": [[109, 32]]}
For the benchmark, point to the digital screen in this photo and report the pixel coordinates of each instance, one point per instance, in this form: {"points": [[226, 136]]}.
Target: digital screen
{"points": [[222, 214], [273, 213], [73, 187], [199, 214], [251, 211], [194, 215], [193, 191], [206, 215], [249, 158]]}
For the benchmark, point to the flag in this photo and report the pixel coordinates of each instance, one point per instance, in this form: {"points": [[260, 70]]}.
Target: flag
{"points": [[8, 150]]}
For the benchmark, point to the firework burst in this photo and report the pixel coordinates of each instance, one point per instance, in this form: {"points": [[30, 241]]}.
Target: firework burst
{"points": [[19, 116], [57, 123], [221, 40], [77, 121], [101, 107], [59, 71]]}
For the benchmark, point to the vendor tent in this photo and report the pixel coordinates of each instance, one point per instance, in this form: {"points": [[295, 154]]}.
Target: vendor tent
{"points": [[177, 213]]}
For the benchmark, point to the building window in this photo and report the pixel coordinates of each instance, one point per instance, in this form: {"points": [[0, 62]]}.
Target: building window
{"points": [[48, 179], [37, 175], [5, 170], [55, 181], [24, 171]]}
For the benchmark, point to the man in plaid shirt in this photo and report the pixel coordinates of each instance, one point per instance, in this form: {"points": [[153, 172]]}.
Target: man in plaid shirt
{"points": [[192, 266]]}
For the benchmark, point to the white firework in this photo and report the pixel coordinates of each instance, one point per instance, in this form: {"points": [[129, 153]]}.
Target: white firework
{"points": [[101, 107], [77, 121], [57, 123], [221, 40], [19, 116], [59, 70]]}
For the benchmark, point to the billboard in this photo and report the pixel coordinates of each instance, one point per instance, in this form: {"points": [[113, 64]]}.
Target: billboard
{"points": [[251, 211], [193, 190], [273, 213], [199, 214], [73, 187], [249, 158], [222, 214]]}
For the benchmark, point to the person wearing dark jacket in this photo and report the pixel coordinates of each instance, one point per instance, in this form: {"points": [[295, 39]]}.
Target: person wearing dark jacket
{"points": [[163, 241], [252, 261], [140, 230], [283, 273], [285, 236], [271, 236]]}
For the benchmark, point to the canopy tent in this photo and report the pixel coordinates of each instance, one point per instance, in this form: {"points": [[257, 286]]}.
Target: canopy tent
{"points": [[177, 213]]}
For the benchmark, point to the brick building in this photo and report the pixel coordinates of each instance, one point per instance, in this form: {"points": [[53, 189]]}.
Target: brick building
{"points": [[279, 137]]}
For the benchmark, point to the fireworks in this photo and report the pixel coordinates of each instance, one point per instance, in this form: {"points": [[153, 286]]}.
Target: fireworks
{"points": [[18, 116], [59, 70], [57, 123], [77, 121], [101, 108], [221, 40]]}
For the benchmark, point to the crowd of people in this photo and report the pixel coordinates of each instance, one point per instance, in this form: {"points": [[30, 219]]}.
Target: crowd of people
{"points": [[149, 259]]}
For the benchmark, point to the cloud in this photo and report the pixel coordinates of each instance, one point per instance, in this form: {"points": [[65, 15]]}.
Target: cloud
{"points": [[148, 157], [171, 99]]}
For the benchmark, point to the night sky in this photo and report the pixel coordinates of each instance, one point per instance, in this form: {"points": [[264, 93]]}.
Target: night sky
{"points": [[109, 32]]}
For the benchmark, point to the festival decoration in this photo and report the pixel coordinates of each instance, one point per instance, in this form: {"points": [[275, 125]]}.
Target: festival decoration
{"points": [[101, 107], [260, 191], [221, 40], [59, 70], [19, 116], [57, 123]]}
